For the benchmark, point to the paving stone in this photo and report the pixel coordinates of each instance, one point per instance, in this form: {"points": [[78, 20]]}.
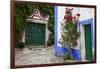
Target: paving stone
{"points": [[40, 56]]}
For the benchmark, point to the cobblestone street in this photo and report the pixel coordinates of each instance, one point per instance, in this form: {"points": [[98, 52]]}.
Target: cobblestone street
{"points": [[36, 56]]}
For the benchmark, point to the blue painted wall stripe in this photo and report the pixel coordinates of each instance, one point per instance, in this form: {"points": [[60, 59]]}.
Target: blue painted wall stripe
{"points": [[56, 24]]}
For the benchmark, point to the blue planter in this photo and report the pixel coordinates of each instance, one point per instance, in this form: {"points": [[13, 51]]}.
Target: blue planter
{"points": [[75, 54], [61, 51]]}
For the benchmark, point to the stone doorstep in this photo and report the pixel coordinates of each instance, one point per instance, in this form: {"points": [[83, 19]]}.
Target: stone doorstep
{"points": [[34, 49], [30, 46], [27, 50], [38, 48]]}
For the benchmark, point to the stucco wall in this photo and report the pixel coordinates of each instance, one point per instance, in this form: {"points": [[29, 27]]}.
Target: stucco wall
{"points": [[85, 14]]}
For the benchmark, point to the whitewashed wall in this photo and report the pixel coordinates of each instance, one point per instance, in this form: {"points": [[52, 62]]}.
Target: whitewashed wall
{"points": [[61, 13], [85, 13]]}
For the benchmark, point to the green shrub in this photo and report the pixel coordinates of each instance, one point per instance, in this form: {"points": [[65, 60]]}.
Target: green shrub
{"points": [[49, 43], [21, 45], [67, 57]]}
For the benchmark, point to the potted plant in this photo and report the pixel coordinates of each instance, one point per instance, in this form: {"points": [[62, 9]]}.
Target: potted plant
{"points": [[70, 33]]}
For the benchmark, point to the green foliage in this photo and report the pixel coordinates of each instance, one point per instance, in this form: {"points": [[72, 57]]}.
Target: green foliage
{"points": [[22, 10], [71, 35], [20, 20], [21, 45], [68, 57], [49, 43]]}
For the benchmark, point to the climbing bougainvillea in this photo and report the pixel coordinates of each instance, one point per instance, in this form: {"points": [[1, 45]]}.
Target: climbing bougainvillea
{"points": [[70, 33]]}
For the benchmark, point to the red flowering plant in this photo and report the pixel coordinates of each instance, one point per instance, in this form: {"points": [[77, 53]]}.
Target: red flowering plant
{"points": [[68, 16], [70, 34]]}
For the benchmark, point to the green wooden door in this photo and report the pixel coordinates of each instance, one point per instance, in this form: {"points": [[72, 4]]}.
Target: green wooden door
{"points": [[35, 34], [88, 42]]}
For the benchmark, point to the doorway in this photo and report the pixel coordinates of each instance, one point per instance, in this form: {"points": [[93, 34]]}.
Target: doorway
{"points": [[88, 41]]}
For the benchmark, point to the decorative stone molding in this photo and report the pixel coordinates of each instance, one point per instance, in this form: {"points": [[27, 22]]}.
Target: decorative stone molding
{"points": [[38, 17]]}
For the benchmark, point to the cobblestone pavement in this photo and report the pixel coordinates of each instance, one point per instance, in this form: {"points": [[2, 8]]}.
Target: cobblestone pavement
{"points": [[36, 56]]}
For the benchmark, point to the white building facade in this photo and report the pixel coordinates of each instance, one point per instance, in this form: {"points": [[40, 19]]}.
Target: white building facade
{"points": [[85, 26]]}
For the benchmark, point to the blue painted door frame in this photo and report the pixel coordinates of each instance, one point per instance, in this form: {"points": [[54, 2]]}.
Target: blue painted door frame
{"points": [[85, 22]]}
